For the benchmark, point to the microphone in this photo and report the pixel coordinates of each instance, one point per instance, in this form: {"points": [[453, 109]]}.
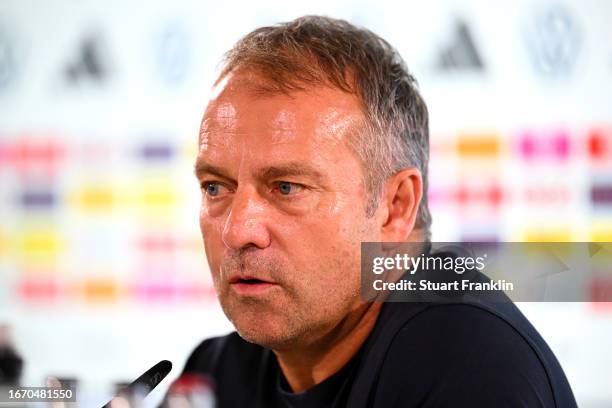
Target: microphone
{"points": [[144, 384]]}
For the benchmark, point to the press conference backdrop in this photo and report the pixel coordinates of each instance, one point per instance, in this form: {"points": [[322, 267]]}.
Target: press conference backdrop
{"points": [[102, 268]]}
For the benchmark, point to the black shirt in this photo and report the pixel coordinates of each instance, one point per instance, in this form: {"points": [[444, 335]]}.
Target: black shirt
{"points": [[418, 355]]}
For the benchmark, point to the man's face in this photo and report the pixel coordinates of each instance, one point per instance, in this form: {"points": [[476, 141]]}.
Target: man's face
{"points": [[283, 210]]}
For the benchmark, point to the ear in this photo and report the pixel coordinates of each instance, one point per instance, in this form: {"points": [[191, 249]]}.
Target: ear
{"points": [[401, 196]]}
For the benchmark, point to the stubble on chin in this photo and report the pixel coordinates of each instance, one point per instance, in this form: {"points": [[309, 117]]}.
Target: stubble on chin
{"points": [[259, 321], [269, 320]]}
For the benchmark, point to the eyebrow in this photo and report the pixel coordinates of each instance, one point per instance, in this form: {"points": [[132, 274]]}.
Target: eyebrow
{"points": [[202, 168], [293, 168]]}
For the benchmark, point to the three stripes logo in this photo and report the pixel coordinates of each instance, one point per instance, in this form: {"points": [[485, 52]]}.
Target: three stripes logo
{"points": [[460, 53]]}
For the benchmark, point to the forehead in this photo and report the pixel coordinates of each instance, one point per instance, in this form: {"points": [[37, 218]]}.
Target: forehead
{"points": [[240, 107]]}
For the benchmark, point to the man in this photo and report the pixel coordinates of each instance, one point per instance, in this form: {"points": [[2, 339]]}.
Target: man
{"points": [[315, 140]]}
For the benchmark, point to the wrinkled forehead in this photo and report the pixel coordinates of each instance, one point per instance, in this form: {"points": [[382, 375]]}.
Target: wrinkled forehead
{"points": [[241, 104]]}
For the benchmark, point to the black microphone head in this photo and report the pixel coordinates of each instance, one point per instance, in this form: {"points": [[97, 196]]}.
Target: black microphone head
{"points": [[144, 384], [151, 378]]}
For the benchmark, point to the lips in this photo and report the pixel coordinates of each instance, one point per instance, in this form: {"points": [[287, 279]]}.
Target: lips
{"points": [[250, 286], [246, 279]]}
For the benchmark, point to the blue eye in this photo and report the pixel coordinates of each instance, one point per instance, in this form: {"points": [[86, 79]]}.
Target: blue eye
{"points": [[285, 188], [212, 189]]}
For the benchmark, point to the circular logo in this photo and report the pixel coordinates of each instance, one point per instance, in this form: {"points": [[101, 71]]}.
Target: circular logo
{"points": [[553, 41], [173, 53], [8, 60]]}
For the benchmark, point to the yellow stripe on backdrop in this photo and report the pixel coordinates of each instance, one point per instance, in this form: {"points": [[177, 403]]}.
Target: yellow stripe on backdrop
{"points": [[155, 196], [39, 245], [93, 198], [551, 234], [3, 246], [602, 231]]}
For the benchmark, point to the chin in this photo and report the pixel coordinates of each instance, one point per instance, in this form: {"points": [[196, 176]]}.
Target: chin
{"points": [[266, 339], [265, 334], [264, 324]]}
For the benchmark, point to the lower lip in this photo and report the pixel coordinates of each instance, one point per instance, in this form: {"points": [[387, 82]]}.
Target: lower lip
{"points": [[250, 289]]}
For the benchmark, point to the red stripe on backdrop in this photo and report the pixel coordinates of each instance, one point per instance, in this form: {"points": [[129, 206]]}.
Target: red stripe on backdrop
{"points": [[600, 145], [29, 154], [38, 290]]}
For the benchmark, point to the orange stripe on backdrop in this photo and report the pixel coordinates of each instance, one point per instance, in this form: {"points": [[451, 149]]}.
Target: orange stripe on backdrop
{"points": [[93, 290], [485, 145], [100, 290]]}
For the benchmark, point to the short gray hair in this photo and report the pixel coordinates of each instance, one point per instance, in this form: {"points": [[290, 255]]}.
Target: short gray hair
{"points": [[322, 51]]}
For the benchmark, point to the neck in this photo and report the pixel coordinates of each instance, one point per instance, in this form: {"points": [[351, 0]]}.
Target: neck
{"points": [[307, 366]]}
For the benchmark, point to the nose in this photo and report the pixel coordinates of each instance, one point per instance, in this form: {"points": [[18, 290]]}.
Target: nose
{"points": [[245, 225]]}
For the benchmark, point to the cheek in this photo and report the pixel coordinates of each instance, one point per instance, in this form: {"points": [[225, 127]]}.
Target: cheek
{"points": [[334, 246], [336, 231], [211, 220], [346, 222], [211, 229]]}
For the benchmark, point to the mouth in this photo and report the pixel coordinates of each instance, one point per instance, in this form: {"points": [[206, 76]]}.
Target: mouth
{"points": [[250, 285], [246, 279]]}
